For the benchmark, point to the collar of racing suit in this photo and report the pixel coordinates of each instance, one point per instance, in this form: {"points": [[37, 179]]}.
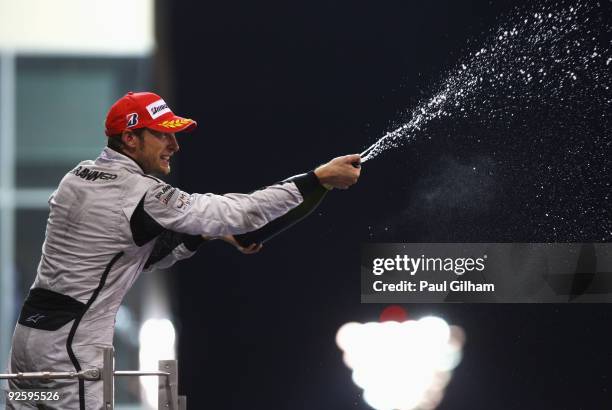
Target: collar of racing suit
{"points": [[110, 156]]}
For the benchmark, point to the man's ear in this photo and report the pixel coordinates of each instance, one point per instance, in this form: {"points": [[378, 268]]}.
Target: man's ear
{"points": [[129, 139]]}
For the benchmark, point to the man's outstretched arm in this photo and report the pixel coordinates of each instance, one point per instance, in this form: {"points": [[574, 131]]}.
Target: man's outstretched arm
{"points": [[221, 215], [340, 173]]}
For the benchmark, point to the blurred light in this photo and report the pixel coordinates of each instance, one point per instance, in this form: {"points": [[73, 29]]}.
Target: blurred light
{"points": [[394, 313], [403, 365], [77, 26], [156, 339]]}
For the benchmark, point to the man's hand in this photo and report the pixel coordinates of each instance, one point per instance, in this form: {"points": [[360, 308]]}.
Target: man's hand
{"points": [[340, 172], [252, 248]]}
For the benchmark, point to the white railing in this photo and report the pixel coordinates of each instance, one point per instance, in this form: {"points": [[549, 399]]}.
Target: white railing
{"points": [[168, 398]]}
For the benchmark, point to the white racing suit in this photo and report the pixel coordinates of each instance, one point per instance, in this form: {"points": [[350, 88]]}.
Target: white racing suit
{"points": [[108, 222]]}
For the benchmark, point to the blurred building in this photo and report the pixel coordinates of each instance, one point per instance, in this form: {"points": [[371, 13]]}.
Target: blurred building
{"points": [[62, 64]]}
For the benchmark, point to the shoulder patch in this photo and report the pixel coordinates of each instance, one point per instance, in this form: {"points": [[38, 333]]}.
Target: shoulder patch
{"points": [[165, 194], [182, 202]]}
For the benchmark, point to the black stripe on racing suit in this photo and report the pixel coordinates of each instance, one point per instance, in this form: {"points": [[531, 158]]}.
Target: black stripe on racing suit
{"points": [[75, 325]]}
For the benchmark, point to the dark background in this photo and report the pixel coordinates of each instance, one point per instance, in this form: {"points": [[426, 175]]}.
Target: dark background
{"points": [[279, 87]]}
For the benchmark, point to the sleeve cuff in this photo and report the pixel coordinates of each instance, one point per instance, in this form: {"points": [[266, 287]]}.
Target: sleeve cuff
{"points": [[307, 184]]}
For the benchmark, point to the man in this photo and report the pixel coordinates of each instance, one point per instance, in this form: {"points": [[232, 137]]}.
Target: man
{"points": [[109, 220]]}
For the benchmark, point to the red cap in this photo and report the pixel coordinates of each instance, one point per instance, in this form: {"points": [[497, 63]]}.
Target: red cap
{"points": [[144, 110]]}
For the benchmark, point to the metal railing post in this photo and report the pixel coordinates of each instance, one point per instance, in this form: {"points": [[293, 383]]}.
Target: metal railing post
{"points": [[167, 398], [167, 374], [108, 378]]}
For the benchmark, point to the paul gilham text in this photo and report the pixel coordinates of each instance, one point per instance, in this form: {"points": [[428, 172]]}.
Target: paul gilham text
{"points": [[424, 286]]}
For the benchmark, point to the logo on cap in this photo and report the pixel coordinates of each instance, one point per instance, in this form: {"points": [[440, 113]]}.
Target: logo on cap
{"points": [[158, 108], [132, 119], [175, 123]]}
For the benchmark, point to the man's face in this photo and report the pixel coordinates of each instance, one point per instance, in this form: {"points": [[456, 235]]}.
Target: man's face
{"points": [[154, 151]]}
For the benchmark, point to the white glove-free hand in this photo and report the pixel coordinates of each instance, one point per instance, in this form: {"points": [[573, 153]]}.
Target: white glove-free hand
{"points": [[340, 172], [252, 248]]}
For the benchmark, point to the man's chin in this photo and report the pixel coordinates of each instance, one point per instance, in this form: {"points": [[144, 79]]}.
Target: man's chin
{"points": [[159, 171], [162, 172]]}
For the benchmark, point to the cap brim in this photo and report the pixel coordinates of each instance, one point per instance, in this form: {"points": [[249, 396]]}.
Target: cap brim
{"points": [[174, 124]]}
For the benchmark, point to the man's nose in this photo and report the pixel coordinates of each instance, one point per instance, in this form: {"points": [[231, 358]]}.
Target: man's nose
{"points": [[174, 146]]}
